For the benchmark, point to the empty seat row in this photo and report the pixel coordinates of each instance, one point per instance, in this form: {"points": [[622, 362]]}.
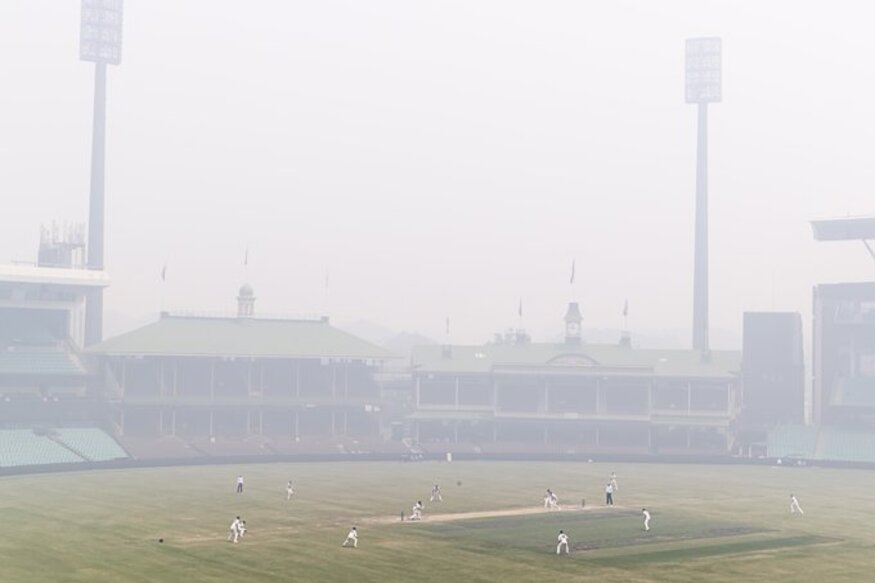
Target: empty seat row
{"points": [[91, 442], [793, 441], [22, 447]]}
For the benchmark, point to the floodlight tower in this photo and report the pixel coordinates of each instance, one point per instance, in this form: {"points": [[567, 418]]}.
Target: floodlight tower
{"points": [[100, 43], [703, 85]]}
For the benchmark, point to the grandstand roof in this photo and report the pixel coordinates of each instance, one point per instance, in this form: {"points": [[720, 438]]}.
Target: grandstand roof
{"points": [[42, 361], [845, 229], [855, 290], [606, 359], [240, 337], [53, 275]]}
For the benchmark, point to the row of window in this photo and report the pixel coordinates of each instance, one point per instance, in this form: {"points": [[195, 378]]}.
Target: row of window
{"points": [[618, 398]]}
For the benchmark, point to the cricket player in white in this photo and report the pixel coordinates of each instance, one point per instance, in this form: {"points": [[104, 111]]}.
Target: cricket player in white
{"points": [[551, 501], [614, 482], [563, 541], [290, 490], [234, 535], [436, 494], [416, 513], [352, 537], [646, 518], [794, 505]]}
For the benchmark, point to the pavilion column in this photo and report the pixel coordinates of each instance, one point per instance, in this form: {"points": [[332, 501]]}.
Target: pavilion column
{"points": [[495, 389], [161, 388], [728, 398], [546, 396], [598, 400], [261, 378], [689, 397]]}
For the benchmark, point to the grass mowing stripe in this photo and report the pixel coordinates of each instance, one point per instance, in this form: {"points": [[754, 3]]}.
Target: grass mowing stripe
{"points": [[610, 530], [701, 552]]}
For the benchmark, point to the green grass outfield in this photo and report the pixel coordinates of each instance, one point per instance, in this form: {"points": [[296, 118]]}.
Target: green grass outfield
{"points": [[710, 523]]}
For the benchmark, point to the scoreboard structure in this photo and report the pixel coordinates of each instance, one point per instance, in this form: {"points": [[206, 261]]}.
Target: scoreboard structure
{"points": [[844, 336]]}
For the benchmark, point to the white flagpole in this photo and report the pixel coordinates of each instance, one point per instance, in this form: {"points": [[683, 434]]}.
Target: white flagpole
{"points": [[162, 289], [573, 265]]}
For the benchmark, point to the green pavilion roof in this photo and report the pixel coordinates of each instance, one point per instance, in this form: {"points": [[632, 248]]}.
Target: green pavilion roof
{"points": [[599, 358], [240, 337]]}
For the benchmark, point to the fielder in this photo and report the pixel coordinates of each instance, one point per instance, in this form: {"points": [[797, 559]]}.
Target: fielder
{"points": [[290, 490], [646, 519], [239, 484], [352, 537], [234, 535], [436, 494], [551, 501], [794, 505], [563, 541]]}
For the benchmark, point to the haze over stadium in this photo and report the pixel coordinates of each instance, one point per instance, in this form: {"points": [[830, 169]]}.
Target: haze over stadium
{"points": [[535, 251], [442, 138]]}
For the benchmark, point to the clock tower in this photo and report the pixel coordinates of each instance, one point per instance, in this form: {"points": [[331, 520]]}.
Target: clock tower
{"points": [[573, 318]]}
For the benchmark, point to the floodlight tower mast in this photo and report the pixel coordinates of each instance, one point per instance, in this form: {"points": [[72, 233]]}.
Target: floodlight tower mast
{"points": [[100, 43], [703, 86]]}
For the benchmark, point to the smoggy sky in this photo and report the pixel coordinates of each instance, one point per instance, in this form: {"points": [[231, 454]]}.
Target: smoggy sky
{"points": [[401, 162]]}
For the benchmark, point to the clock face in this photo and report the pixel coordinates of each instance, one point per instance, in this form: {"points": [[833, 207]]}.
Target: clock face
{"points": [[573, 328]]}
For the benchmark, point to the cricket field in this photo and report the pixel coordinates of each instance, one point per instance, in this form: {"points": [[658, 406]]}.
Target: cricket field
{"points": [[710, 523]]}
